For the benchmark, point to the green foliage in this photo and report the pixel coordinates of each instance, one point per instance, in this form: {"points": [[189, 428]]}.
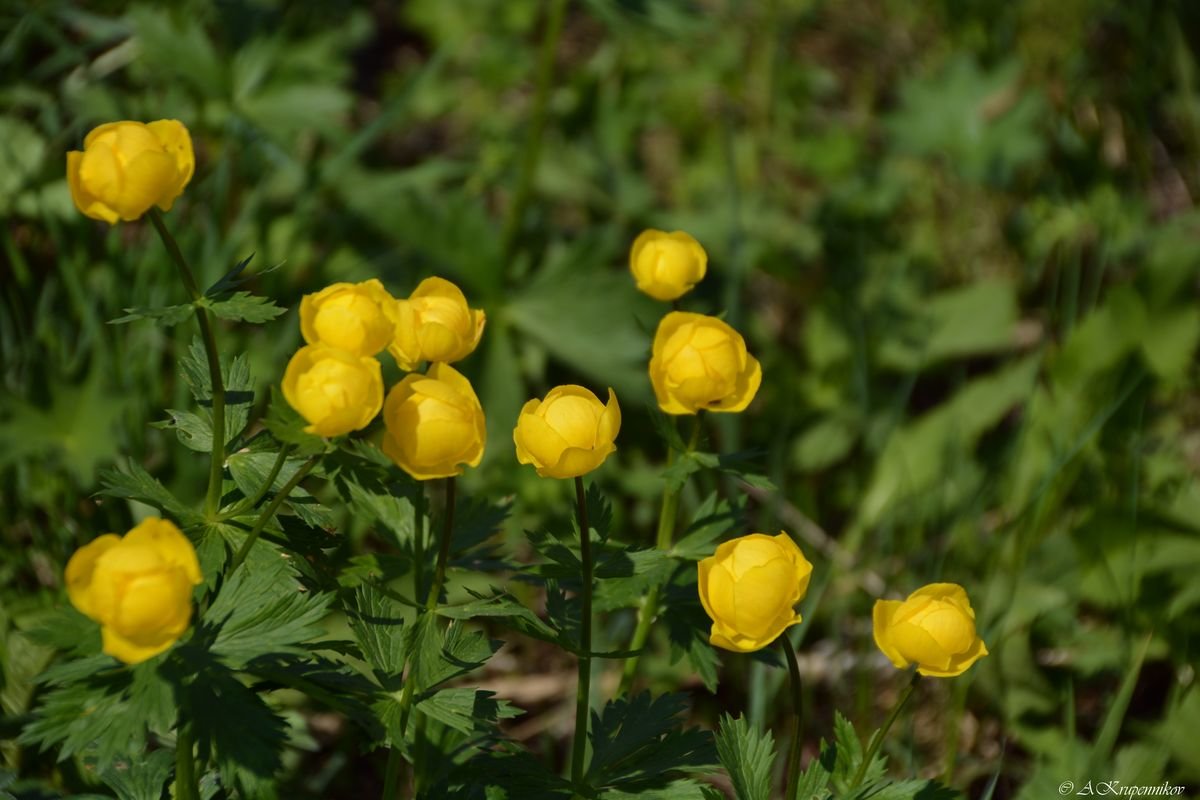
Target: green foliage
{"points": [[638, 746], [747, 755]]}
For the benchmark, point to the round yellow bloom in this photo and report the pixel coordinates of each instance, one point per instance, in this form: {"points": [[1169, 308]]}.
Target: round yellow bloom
{"points": [[750, 587], [126, 167], [435, 424], [435, 324], [335, 391], [934, 629], [700, 363], [667, 265], [139, 588], [568, 434], [355, 317]]}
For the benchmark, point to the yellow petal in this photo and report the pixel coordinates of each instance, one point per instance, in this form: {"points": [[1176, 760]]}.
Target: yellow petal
{"points": [[129, 650], [80, 569], [882, 615], [169, 542]]}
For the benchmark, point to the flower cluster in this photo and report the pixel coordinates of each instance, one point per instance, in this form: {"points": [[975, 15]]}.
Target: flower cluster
{"points": [[434, 422]]}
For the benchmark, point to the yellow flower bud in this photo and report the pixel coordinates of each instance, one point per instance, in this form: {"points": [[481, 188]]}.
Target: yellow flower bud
{"points": [[568, 434], [700, 363], [355, 317], [934, 629], [435, 324], [139, 588], [750, 587], [335, 391], [667, 265], [435, 424], [126, 167]]}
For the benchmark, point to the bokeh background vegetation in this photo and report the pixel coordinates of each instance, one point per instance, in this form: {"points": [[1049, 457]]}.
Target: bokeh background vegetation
{"points": [[961, 236]]}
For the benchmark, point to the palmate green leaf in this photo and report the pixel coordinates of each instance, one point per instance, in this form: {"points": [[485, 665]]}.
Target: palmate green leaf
{"points": [[165, 315], [640, 744], [739, 465], [688, 629], [503, 606], [441, 655], [381, 632], [239, 387], [813, 783], [338, 687], [7, 779], [712, 520], [235, 278], [193, 431], [386, 502], [262, 611], [624, 577], [133, 482], [66, 630], [467, 710], [849, 754], [250, 470], [244, 307], [234, 727], [102, 708], [140, 778], [747, 753]]}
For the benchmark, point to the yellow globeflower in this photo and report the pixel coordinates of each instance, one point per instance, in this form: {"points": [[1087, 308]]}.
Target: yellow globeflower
{"points": [[667, 265], [355, 317], [701, 363], [335, 391], [435, 424], [138, 587], [750, 588], [568, 434], [127, 167], [435, 324], [934, 629]]}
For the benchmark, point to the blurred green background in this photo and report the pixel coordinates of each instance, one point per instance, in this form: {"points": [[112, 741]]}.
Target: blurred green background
{"points": [[961, 236]]}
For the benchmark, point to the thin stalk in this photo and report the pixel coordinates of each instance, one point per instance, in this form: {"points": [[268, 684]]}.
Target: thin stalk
{"points": [[584, 686], [648, 610], [419, 541], [186, 787], [877, 739], [439, 571], [431, 604], [793, 763], [212, 498], [269, 511], [395, 762], [537, 124], [248, 503]]}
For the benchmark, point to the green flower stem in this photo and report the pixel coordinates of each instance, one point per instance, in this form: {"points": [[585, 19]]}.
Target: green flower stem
{"points": [[648, 610], [186, 787], [439, 571], [793, 763], [431, 604], [877, 739], [395, 763], [583, 688], [537, 124], [419, 541], [212, 499], [248, 503], [269, 512]]}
